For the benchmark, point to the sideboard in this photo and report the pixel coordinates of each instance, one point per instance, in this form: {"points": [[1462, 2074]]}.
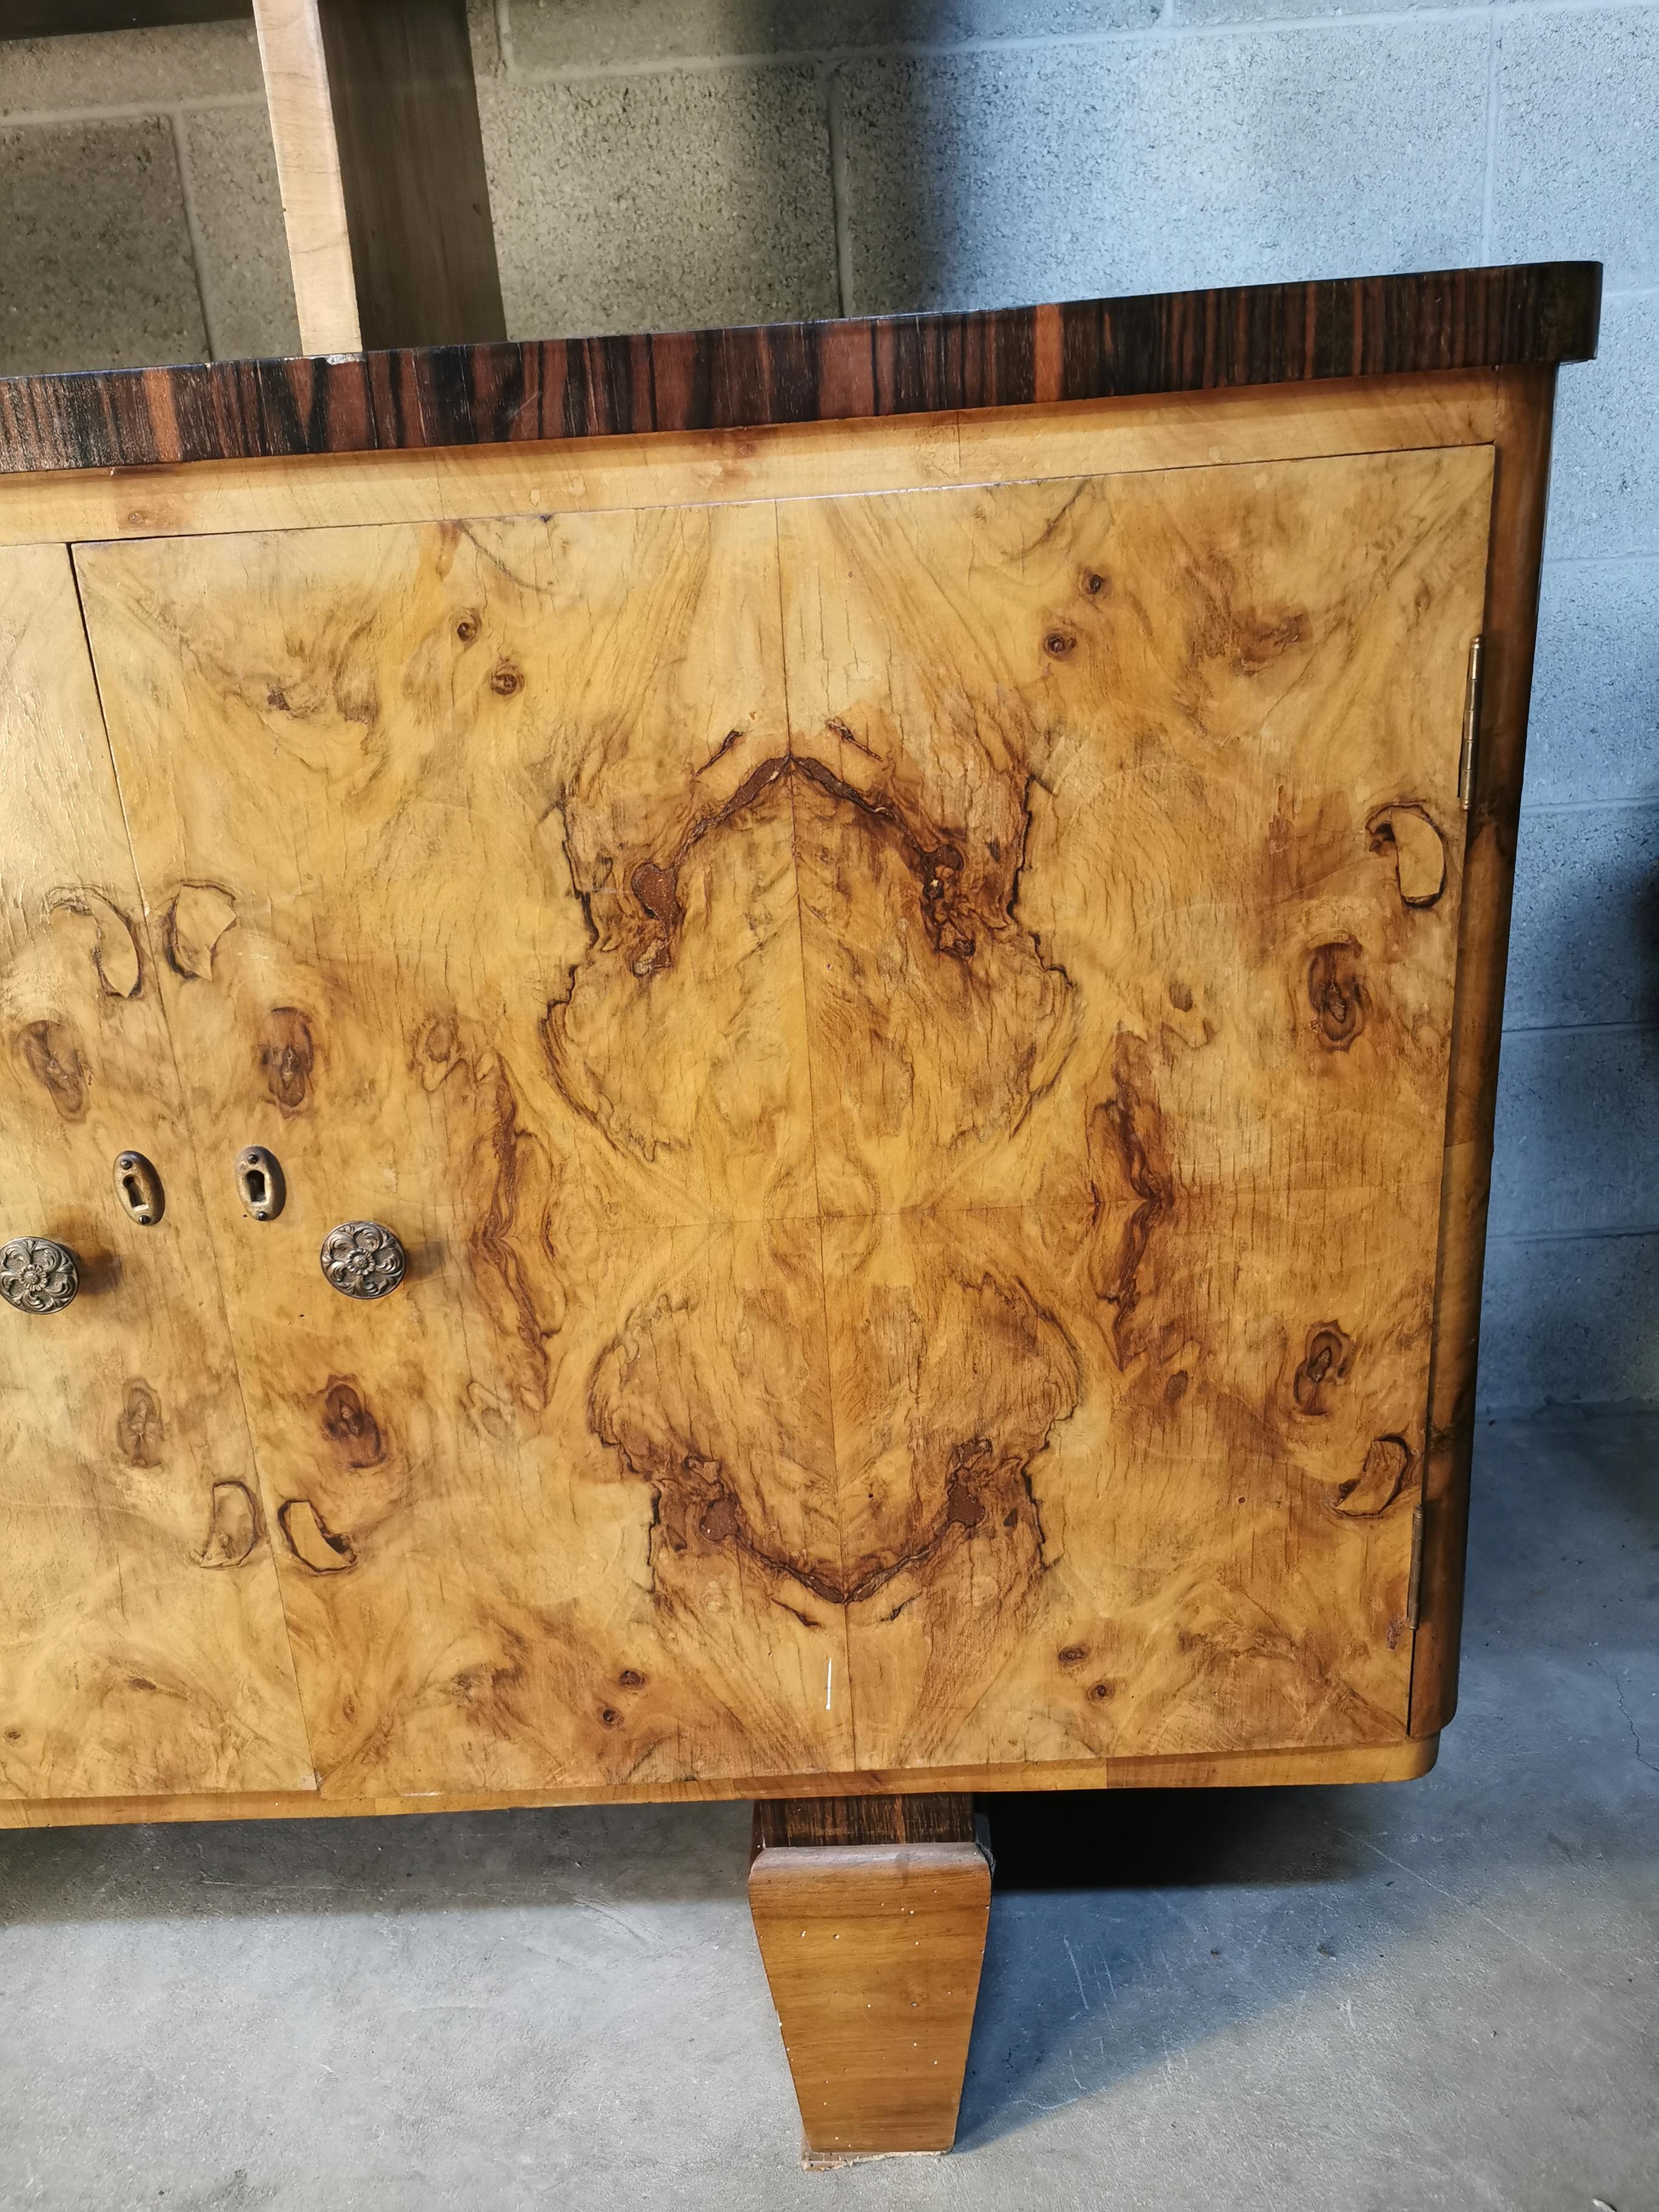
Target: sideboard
{"points": [[760, 1065]]}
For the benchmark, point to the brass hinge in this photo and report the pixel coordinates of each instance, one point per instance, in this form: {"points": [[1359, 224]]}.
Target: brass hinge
{"points": [[1414, 1575], [1471, 720]]}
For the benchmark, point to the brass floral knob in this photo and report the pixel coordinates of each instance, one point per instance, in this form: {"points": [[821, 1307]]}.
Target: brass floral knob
{"points": [[37, 1276], [363, 1259]]}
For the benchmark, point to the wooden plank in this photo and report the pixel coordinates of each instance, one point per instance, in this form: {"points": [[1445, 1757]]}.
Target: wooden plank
{"points": [[375, 117], [483, 394], [563, 1509], [1527, 400], [794, 461], [1129, 1024], [1404, 1760], [142, 1642], [872, 1955]]}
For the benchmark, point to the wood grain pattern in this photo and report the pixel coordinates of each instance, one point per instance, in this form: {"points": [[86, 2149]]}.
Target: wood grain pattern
{"points": [[374, 119], [1128, 1168], [872, 1955], [142, 1642], [482, 923], [1405, 1760], [835, 996], [309, 166], [481, 394], [1509, 627], [791, 461], [920, 1819]]}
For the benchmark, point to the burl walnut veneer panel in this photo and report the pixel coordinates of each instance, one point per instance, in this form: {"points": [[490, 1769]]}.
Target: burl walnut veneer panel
{"points": [[396, 795], [141, 1644], [908, 1037], [1128, 840]]}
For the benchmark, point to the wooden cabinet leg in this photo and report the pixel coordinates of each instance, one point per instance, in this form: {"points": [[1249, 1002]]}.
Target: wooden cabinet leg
{"points": [[871, 1914]]}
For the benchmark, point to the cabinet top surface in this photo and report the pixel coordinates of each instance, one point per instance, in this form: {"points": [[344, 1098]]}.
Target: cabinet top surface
{"points": [[737, 379]]}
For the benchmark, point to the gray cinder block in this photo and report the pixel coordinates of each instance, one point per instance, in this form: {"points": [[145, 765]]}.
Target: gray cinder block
{"points": [[246, 283], [562, 33], [1197, 12], [984, 178], [1569, 1320], [654, 202], [1578, 1143], [97, 266], [1593, 732], [1584, 939], [124, 69], [1604, 486], [1576, 158]]}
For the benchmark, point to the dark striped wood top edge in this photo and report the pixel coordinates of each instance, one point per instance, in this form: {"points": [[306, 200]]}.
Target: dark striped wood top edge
{"points": [[778, 373]]}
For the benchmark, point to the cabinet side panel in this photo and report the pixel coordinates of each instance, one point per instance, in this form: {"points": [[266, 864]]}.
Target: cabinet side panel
{"points": [[1526, 407], [142, 1642]]}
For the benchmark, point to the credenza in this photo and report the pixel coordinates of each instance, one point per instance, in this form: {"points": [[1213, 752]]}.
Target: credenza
{"points": [[760, 1065]]}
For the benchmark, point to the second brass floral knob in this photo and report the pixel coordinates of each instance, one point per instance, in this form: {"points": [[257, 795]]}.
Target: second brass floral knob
{"points": [[363, 1259], [38, 1275]]}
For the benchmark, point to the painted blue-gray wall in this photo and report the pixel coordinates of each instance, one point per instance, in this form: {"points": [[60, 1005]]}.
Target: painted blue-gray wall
{"points": [[660, 162]]}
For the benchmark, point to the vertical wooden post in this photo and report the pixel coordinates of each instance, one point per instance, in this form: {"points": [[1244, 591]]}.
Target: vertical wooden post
{"points": [[871, 1914], [375, 117]]}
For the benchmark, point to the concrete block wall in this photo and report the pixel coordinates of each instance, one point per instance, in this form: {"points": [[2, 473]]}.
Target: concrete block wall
{"points": [[655, 163]]}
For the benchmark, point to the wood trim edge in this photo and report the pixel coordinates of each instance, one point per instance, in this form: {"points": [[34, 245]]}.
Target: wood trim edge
{"points": [[798, 460], [306, 143], [1521, 455], [508, 392], [1402, 1760]]}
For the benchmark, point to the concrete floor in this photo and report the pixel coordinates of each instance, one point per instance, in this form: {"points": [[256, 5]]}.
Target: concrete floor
{"points": [[1438, 1994]]}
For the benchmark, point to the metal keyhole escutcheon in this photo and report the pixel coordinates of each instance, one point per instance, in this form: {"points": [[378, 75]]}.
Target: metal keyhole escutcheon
{"points": [[363, 1259], [259, 1183], [37, 1276], [139, 1188]]}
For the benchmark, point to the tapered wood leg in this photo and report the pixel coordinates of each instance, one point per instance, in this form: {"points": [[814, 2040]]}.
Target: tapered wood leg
{"points": [[870, 1913]]}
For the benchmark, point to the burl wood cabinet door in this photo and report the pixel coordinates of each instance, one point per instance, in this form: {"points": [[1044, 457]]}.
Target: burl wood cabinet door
{"points": [[1129, 846], [907, 1037], [143, 1650], [475, 873]]}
